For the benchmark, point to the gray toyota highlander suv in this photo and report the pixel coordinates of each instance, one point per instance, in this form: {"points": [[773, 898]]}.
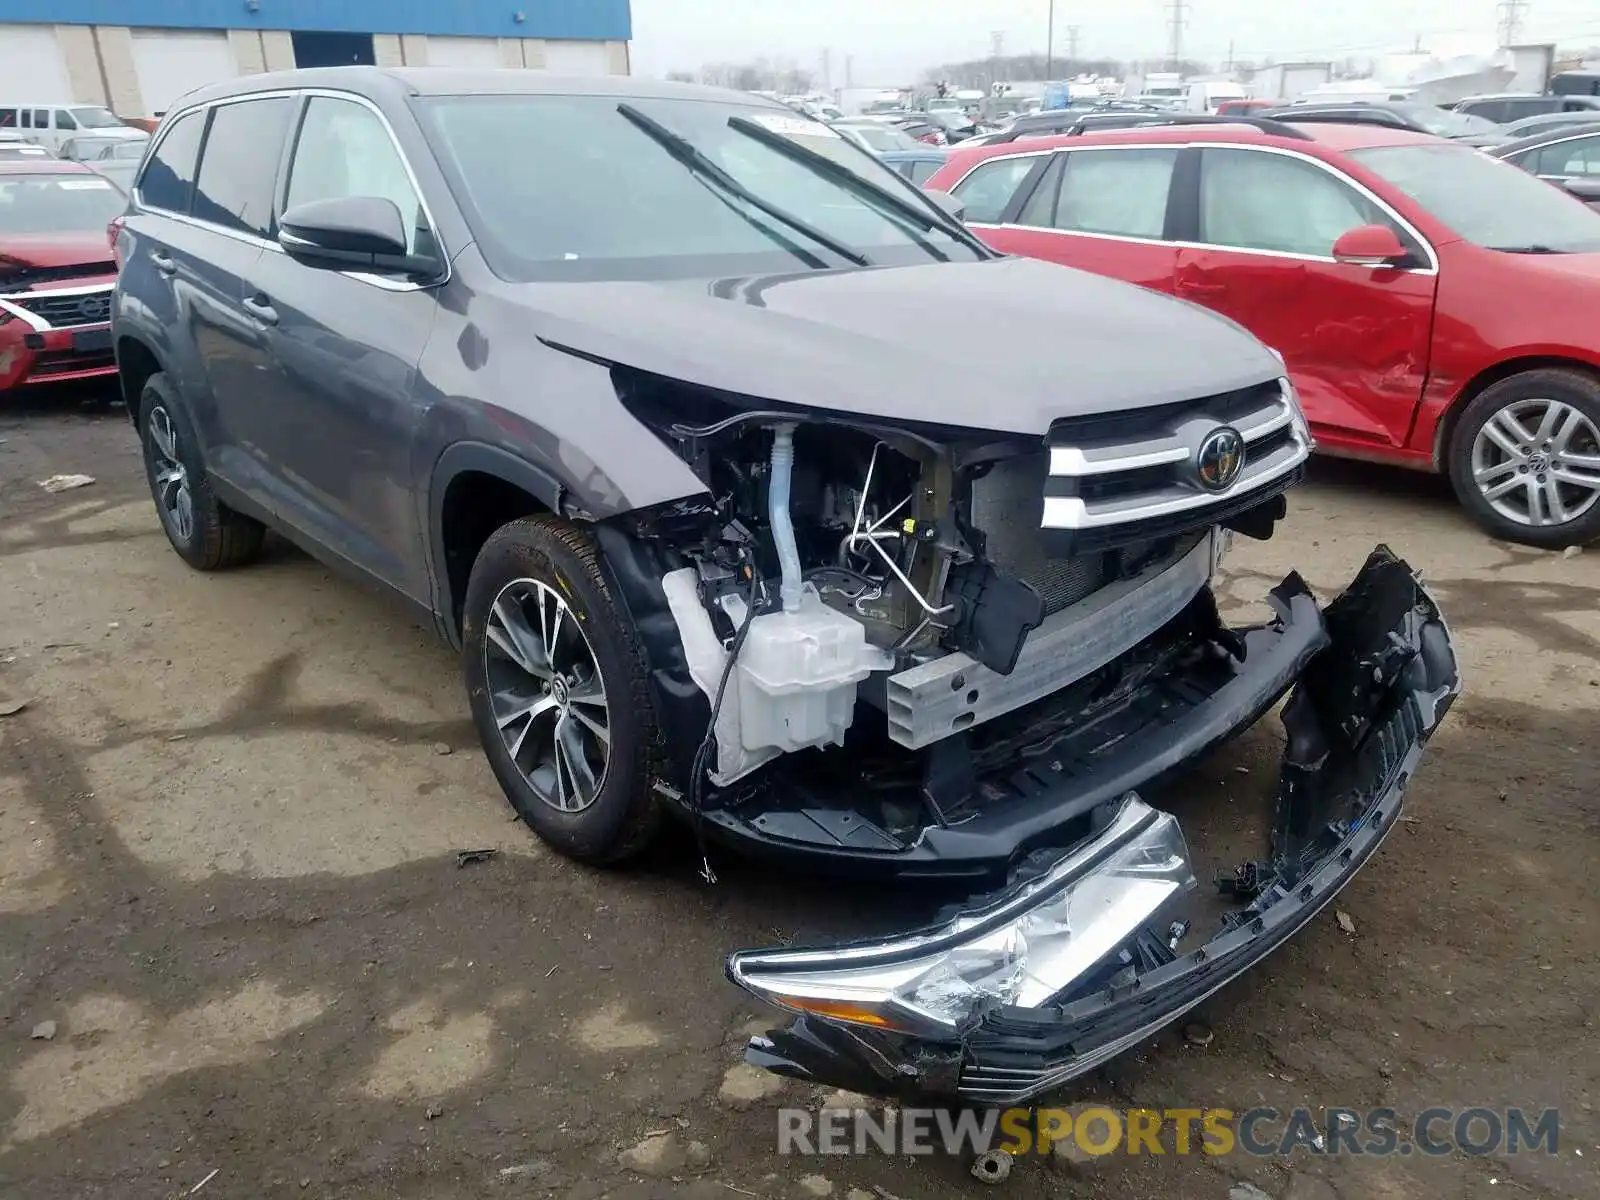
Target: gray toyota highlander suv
{"points": [[638, 394]]}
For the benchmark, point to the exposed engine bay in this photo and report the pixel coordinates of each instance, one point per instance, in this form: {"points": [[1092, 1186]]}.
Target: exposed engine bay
{"points": [[883, 608], [932, 654]]}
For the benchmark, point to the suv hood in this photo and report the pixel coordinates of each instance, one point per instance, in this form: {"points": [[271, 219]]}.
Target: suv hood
{"points": [[1008, 345], [22, 255]]}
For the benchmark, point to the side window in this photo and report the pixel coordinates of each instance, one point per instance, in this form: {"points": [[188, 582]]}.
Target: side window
{"points": [[8, 118], [1121, 192], [239, 166], [1574, 158], [64, 119], [345, 149], [988, 187], [167, 181], [41, 118], [27, 118], [921, 172], [1258, 201]]}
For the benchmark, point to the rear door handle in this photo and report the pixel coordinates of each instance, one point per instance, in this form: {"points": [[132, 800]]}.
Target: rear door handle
{"points": [[164, 262], [258, 308]]}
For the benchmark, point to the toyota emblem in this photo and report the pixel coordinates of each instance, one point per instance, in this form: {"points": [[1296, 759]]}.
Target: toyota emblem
{"points": [[1220, 459]]}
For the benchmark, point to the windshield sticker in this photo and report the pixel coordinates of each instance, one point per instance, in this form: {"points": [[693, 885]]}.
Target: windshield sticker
{"points": [[793, 126], [83, 185]]}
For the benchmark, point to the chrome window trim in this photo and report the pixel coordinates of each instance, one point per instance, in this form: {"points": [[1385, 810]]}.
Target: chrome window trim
{"points": [[1433, 258], [381, 282]]}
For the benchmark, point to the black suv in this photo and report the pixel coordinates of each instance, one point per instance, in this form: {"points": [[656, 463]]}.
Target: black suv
{"points": [[630, 390]]}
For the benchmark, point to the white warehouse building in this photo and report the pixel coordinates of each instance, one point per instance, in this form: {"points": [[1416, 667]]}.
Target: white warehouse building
{"points": [[136, 57]]}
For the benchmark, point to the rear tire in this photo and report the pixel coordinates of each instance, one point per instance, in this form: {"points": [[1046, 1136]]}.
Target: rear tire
{"points": [[1524, 458], [206, 533], [560, 692]]}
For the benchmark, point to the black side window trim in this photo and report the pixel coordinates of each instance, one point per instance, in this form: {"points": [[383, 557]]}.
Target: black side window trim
{"points": [[291, 140], [1049, 178], [1183, 198]]}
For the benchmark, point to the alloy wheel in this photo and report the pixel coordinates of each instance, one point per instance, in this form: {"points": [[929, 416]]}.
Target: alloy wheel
{"points": [[547, 696], [173, 494], [1537, 462]]}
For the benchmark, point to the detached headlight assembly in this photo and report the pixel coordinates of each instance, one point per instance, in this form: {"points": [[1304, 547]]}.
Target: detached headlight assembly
{"points": [[1019, 951]]}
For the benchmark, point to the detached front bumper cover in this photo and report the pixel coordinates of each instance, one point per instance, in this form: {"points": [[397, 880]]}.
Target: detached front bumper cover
{"points": [[1072, 964]]}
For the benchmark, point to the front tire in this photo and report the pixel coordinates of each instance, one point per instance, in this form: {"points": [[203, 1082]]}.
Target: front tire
{"points": [[1525, 459], [559, 691], [206, 533]]}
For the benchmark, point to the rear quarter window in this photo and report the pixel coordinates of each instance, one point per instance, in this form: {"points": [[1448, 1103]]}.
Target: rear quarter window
{"points": [[167, 181]]}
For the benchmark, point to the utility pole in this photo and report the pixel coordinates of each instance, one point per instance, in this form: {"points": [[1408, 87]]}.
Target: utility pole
{"points": [[827, 68], [1512, 12], [997, 48], [1050, 43], [849, 70], [1072, 42], [1177, 18]]}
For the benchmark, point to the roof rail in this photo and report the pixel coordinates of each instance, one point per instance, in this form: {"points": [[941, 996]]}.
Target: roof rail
{"points": [[1264, 124]]}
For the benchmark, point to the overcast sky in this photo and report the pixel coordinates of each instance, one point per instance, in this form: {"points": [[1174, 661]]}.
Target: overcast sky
{"points": [[892, 41]]}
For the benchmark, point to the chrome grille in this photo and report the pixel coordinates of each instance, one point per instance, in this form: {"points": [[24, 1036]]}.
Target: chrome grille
{"points": [[1097, 480], [63, 310]]}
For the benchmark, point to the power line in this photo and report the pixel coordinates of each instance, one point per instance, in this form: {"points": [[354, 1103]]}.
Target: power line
{"points": [[1177, 19], [1511, 14]]}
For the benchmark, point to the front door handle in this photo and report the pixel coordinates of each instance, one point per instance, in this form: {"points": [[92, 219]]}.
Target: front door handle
{"points": [[164, 262], [262, 311]]}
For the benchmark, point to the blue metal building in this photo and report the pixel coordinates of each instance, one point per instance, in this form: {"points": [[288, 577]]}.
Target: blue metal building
{"points": [[137, 56]]}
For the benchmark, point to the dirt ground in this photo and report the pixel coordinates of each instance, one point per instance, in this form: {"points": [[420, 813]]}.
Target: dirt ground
{"points": [[230, 810]]}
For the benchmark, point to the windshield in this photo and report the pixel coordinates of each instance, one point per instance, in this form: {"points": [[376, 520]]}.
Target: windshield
{"points": [[95, 118], [568, 188], [1487, 201], [57, 204], [1444, 123]]}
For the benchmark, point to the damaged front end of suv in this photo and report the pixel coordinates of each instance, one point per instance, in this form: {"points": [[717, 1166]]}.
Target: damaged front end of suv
{"points": [[916, 652]]}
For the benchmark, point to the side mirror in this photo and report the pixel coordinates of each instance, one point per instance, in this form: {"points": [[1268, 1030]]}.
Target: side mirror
{"points": [[1586, 188], [1371, 246], [351, 233], [952, 205]]}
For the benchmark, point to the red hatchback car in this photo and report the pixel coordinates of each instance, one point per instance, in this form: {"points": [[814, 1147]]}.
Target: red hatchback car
{"points": [[56, 272], [1435, 306]]}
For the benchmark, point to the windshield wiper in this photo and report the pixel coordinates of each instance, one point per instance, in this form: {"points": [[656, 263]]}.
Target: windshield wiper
{"points": [[706, 168], [865, 189], [1533, 249]]}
